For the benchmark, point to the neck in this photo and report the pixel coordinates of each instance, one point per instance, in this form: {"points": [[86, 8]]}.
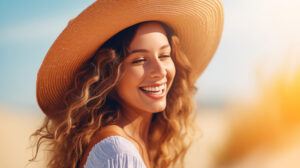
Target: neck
{"points": [[136, 124]]}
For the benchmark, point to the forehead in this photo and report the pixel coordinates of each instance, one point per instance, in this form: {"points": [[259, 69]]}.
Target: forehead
{"points": [[149, 36]]}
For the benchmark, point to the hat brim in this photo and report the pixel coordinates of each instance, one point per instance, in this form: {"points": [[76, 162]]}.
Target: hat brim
{"points": [[198, 23]]}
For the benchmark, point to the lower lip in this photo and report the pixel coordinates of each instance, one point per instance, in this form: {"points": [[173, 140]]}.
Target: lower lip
{"points": [[154, 96]]}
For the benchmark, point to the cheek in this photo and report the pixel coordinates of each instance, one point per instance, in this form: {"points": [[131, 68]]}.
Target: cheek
{"points": [[133, 75], [171, 70], [131, 79]]}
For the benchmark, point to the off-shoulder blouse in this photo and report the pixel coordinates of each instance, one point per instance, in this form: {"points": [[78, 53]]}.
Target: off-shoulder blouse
{"points": [[114, 152]]}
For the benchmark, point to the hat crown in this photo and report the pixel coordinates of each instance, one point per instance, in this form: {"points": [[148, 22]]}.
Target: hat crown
{"points": [[198, 24]]}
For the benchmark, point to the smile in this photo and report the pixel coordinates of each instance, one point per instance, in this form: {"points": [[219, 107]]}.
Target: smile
{"points": [[157, 91]]}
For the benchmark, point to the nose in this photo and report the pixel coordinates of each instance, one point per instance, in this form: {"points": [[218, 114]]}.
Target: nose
{"points": [[157, 69]]}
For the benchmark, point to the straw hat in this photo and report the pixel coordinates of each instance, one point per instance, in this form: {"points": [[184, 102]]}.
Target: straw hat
{"points": [[198, 23]]}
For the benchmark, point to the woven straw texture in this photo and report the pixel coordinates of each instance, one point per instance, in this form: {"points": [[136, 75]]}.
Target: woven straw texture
{"points": [[198, 23]]}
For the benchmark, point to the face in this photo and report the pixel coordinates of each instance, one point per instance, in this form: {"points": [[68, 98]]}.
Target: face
{"points": [[148, 70]]}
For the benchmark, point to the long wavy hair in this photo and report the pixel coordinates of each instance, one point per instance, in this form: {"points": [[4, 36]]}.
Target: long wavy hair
{"points": [[91, 104]]}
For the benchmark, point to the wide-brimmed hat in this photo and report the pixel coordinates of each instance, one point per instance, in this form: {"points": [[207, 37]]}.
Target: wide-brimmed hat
{"points": [[198, 24]]}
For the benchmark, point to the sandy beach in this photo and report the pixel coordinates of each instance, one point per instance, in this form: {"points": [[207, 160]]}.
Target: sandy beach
{"points": [[18, 124], [15, 129], [210, 149]]}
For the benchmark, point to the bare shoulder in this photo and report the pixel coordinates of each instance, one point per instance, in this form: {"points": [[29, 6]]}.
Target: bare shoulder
{"points": [[112, 141], [110, 130], [104, 133], [110, 144], [107, 131]]}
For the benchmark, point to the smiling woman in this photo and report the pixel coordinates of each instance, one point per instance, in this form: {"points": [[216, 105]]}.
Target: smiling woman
{"points": [[147, 76], [124, 97]]}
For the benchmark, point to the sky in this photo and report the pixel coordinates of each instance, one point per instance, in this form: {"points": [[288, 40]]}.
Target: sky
{"points": [[256, 32]]}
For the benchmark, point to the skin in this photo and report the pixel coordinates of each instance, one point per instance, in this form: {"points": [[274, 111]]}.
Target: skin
{"points": [[149, 63]]}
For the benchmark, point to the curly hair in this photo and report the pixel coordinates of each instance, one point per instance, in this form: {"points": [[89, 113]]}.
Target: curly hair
{"points": [[91, 104]]}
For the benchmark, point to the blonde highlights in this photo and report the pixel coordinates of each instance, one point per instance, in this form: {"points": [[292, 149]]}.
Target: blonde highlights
{"points": [[171, 142], [91, 104]]}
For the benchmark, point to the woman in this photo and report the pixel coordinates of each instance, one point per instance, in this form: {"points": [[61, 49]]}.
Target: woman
{"points": [[117, 86]]}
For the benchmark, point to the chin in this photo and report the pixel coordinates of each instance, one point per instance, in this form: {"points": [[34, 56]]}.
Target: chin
{"points": [[157, 109]]}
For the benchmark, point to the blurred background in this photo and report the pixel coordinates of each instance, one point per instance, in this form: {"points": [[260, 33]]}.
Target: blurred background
{"points": [[248, 98]]}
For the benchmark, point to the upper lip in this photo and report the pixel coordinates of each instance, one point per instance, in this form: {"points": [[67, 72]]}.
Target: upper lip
{"points": [[155, 84]]}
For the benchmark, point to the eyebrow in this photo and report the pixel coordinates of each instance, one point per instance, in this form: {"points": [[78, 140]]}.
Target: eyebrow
{"points": [[144, 50]]}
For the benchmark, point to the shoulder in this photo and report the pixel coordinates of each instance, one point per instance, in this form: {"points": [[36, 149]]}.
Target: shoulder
{"points": [[112, 150], [112, 146]]}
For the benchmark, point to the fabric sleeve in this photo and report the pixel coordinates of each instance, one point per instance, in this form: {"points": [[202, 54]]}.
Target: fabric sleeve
{"points": [[114, 153], [123, 160]]}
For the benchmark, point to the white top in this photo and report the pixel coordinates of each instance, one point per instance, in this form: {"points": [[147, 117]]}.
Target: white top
{"points": [[114, 152]]}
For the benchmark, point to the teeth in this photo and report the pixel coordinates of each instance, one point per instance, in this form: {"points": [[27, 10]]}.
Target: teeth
{"points": [[155, 89]]}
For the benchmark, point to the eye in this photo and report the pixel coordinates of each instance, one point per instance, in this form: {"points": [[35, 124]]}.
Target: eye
{"points": [[140, 60], [164, 56]]}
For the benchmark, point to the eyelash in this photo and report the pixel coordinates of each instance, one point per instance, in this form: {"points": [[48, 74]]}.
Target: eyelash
{"points": [[138, 61], [143, 59], [164, 56]]}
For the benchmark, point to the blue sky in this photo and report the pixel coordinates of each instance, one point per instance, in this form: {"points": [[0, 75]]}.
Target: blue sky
{"points": [[27, 30], [254, 32]]}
